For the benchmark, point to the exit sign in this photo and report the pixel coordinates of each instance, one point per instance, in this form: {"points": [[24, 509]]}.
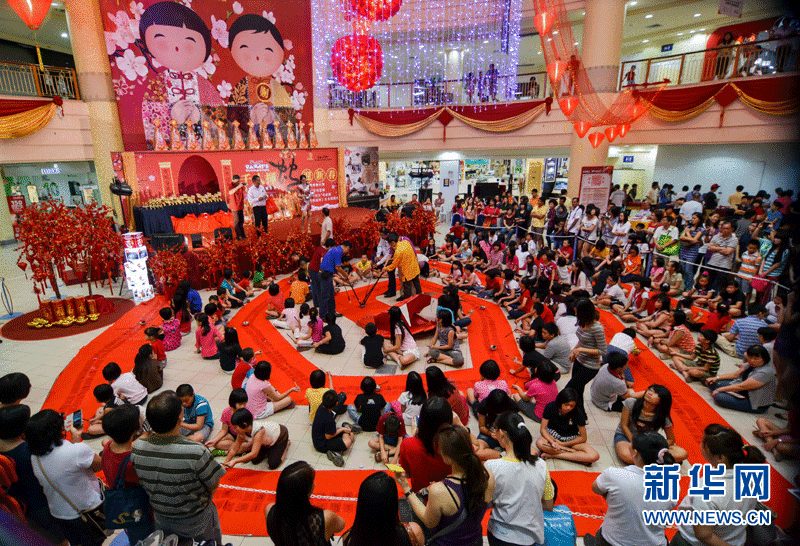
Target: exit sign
{"points": [[627, 159], [666, 47]]}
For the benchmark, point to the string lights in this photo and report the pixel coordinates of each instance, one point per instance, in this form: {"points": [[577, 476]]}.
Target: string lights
{"points": [[433, 51]]}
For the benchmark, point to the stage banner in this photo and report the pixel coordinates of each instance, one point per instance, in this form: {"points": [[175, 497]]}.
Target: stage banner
{"points": [[161, 174], [178, 63], [361, 175], [596, 186]]}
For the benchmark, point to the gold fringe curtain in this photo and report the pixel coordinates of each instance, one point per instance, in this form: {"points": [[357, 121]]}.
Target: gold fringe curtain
{"points": [[389, 130], [680, 115], [503, 125], [785, 107], [28, 122]]}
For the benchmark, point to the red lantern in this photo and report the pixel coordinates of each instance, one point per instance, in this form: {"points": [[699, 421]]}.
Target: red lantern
{"points": [[623, 129], [596, 139], [581, 128], [543, 21], [357, 61], [376, 10], [568, 104], [611, 133], [32, 12], [555, 70]]}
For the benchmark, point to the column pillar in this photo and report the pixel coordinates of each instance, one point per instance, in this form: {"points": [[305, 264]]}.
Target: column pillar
{"points": [[97, 90], [602, 43]]}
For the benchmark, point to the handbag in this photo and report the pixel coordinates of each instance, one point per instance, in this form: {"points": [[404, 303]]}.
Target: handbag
{"points": [[92, 517], [673, 249], [759, 283], [126, 507]]}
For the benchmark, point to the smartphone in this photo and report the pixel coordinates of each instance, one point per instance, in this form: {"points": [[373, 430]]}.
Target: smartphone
{"points": [[77, 419]]}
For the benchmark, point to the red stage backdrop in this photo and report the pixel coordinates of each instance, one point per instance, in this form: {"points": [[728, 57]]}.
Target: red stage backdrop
{"points": [[160, 174], [195, 60]]}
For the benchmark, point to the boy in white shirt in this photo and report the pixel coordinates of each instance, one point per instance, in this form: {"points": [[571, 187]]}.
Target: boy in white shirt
{"points": [[288, 320], [613, 293], [126, 386]]}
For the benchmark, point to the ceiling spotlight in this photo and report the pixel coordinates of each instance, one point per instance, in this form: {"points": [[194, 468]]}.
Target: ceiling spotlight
{"points": [[645, 41], [702, 30], [486, 41], [555, 32], [680, 34], [64, 35], [576, 43], [698, 14], [692, 31], [633, 3], [648, 16]]}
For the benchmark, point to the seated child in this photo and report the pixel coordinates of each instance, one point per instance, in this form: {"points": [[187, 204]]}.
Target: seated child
{"points": [[532, 323], [198, 420], [624, 342], [270, 442], [207, 337], [680, 341], [362, 270], [456, 273], [368, 406], [510, 288], [372, 347], [224, 439], [299, 290], [155, 338], [471, 281], [490, 380], [246, 283], [613, 293], [317, 389], [104, 394], [706, 359], [148, 371], [562, 271], [538, 392], [310, 331], [657, 271], [245, 363], [325, 435], [410, 401], [701, 293], [275, 302], [171, 328], [674, 278], [386, 444], [609, 388], [223, 301], [214, 312], [125, 385], [289, 318], [656, 325], [494, 285], [258, 280], [636, 306]]}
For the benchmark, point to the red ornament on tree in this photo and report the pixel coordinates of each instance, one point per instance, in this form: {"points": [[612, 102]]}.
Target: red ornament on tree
{"points": [[568, 104], [581, 128], [357, 61], [32, 12], [596, 139], [376, 10]]}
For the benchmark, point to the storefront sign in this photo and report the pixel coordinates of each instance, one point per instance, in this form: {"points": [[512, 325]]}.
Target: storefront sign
{"points": [[16, 204], [55, 169], [666, 47], [596, 186], [361, 174], [731, 8], [627, 159]]}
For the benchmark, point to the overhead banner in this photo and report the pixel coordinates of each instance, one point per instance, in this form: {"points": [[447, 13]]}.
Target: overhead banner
{"points": [[596, 186], [160, 174], [731, 8], [176, 64], [361, 175]]}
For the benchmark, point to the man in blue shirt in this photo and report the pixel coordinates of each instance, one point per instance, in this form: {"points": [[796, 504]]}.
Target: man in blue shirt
{"points": [[745, 330], [198, 421], [330, 264]]}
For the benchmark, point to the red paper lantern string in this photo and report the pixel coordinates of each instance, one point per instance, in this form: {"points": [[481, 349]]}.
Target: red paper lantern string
{"points": [[568, 104], [543, 22], [376, 10], [611, 133], [556, 70], [623, 129], [357, 61], [596, 139], [32, 12], [581, 128]]}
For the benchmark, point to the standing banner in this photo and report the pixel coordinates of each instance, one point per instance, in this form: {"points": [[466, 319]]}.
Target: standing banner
{"points": [[596, 186], [178, 63], [361, 176]]}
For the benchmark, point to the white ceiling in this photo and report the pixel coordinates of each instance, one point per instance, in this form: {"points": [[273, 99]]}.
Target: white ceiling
{"points": [[49, 36]]}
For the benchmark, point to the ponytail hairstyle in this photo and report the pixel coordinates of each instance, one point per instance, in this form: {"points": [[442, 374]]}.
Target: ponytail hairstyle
{"points": [[455, 444], [202, 318], [144, 354], [313, 314], [727, 443], [304, 310], [519, 435], [653, 448]]}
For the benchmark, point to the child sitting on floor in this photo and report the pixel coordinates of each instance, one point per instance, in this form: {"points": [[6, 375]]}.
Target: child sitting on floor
{"points": [[154, 337], [371, 347], [222, 442], [299, 288], [104, 395], [637, 299], [456, 274], [706, 359], [215, 313], [258, 277], [223, 301], [490, 380], [288, 319], [310, 331], [198, 420], [274, 303], [207, 338], [171, 327], [326, 436], [244, 364], [125, 385], [613, 293], [362, 270], [368, 406], [246, 283], [410, 401], [538, 392], [270, 442], [471, 281], [701, 292], [390, 433], [316, 391]]}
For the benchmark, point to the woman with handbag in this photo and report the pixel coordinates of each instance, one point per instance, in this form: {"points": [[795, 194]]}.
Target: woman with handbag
{"points": [[66, 471]]}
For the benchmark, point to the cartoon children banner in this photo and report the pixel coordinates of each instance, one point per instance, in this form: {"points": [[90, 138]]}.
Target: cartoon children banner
{"points": [[178, 63]]}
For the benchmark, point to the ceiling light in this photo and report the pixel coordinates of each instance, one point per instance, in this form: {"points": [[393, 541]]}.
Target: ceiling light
{"points": [[64, 35], [702, 30], [576, 43], [698, 14], [645, 41], [486, 41], [648, 16], [538, 52], [680, 34], [692, 31], [633, 3], [555, 32]]}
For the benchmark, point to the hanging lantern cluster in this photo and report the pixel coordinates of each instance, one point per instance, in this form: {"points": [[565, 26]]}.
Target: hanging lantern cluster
{"points": [[32, 12], [357, 59], [577, 98]]}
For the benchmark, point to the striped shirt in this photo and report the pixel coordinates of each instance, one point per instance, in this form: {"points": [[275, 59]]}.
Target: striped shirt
{"points": [[747, 330], [592, 337], [707, 359], [178, 475]]}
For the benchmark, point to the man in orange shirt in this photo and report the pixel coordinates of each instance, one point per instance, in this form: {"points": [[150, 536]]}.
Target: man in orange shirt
{"points": [[236, 206], [405, 260]]}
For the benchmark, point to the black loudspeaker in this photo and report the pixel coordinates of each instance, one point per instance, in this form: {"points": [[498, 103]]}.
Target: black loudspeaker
{"points": [[169, 241]]}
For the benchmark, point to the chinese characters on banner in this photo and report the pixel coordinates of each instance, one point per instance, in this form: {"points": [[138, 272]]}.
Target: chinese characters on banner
{"points": [[361, 174], [746, 481], [185, 62], [731, 8], [16, 204], [596, 186]]}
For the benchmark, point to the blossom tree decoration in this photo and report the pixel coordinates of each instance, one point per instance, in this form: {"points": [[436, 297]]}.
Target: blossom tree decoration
{"points": [[169, 267]]}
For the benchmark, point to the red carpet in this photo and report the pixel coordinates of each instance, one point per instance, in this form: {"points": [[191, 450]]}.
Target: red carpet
{"points": [[18, 329], [242, 510]]}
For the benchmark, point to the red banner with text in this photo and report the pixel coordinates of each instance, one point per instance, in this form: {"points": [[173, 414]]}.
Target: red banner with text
{"points": [[179, 63]]}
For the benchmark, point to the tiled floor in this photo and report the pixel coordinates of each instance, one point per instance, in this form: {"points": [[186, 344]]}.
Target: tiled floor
{"points": [[44, 360]]}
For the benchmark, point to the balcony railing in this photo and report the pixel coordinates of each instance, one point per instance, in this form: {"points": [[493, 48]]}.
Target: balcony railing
{"points": [[437, 92], [722, 63], [31, 81]]}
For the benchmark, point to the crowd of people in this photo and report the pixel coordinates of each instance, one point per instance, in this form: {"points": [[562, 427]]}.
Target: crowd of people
{"points": [[684, 274]]}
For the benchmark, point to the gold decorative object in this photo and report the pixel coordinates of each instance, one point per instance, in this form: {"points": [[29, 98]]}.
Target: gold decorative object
{"points": [[291, 141], [312, 136], [252, 139], [266, 141], [191, 139], [303, 140], [238, 141], [175, 140], [279, 143], [208, 138], [160, 143]]}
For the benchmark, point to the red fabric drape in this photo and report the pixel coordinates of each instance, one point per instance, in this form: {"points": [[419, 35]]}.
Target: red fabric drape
{"points": [[9, 107]]}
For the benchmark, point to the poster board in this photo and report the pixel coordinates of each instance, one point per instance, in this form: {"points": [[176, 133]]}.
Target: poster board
{"points": [[361, 176], [596, 186], [731, 8]]}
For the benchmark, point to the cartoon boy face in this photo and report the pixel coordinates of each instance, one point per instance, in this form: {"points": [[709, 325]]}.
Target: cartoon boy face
{"points": [[257, 53], [176, 48]]}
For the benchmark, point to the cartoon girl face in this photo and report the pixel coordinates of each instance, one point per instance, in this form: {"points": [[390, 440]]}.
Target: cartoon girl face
{"points": [[176, 48], [257, 53]]}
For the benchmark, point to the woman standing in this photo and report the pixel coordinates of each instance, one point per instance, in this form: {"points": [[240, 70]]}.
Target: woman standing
{"points": [[377, 519], [721, 446], [522, 487], [774, 263], [291, 519], [691, 241], [401, 346], [620, 230], [588, 355], [456, 505], [589, 229], [623, 489], [66, 472]]}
